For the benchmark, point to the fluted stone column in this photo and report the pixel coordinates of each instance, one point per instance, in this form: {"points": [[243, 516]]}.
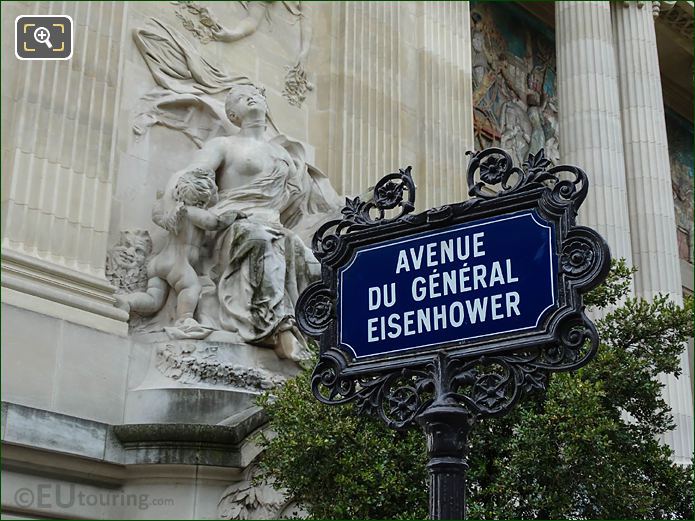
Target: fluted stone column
{"points": [[654, 243], [385, 58], [57, 158], [589, 116]]}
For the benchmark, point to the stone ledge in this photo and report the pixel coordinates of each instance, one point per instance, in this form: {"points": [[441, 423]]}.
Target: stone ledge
{"points": [[190, 444], [49, 281], [132, 444], [47, 430]]}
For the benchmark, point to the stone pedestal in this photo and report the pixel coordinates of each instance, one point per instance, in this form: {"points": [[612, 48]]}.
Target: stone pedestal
{"points": [[200, 381], [654, 244], [589, 117]]}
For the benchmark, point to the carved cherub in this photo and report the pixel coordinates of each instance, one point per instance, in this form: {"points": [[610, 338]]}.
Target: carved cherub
{"points": [[126, 261], [175, 265]]}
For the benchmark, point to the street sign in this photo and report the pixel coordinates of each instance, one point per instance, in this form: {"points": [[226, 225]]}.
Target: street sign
{"points": [[450, 286], [444, 317]]}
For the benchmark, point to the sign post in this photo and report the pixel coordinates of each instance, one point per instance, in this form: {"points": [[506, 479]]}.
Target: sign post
{"points": [[444, 317]]}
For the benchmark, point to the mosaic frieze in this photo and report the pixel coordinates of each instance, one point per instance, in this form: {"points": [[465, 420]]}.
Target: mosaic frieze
{"points": [[680, 151], [514, 86]]}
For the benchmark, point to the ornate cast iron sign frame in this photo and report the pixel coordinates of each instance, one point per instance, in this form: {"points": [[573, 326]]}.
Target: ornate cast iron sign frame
{"points": [[446, 387]]}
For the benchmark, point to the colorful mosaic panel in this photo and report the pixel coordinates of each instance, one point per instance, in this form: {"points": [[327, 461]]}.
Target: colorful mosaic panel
{"points": [[680, 149], [514, 81]]}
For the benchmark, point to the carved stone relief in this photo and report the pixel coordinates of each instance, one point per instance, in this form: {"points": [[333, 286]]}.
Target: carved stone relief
{"points": [[677, 14], [296, 85], [237, 215], [126, 268], [254, 498], [206, 27], [679, 17], [514, 96], [195, 363], [197, 19]]}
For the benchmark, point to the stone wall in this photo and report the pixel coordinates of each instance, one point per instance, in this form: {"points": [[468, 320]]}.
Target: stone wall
{"points": [[375, 99], [58, 164]]}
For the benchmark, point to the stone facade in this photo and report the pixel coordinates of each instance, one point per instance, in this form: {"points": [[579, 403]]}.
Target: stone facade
{"points": [[152, 415]]}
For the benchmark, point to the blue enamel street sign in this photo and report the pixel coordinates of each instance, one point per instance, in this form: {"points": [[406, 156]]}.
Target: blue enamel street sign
{"points": [[484, 295], [448, 286]]}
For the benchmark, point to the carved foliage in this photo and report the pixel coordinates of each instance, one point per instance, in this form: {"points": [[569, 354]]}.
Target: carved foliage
{"points": [[255, 497], [206, 27], [297, 85], [198, 363], [196, 19]]}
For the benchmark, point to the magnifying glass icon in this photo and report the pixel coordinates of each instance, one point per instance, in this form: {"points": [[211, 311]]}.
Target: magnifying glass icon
{"points": [[42, 35]]}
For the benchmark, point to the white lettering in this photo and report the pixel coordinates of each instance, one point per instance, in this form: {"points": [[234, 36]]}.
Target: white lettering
{"points": [[513, 303], [496, 276], [419, 293], [431, 253], [496, 304], [394, 325], [402, 262], [436, 318], [374, 298], [479, 272], [423, 320], [439, 317], [510, 278], [417, 258], [371, 328], [463, 278], [456, 307], [388, 303], [459, 251], [408, 323], [434, 284], [449, 282], [447, 251], [478, 310], [478, 244]]}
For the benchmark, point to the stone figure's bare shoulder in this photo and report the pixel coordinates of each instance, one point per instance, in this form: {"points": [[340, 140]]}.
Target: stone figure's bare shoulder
{"points": [[216, 146]]}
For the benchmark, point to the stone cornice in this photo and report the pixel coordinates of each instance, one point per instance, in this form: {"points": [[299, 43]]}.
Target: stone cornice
{"points": [[223, 445], [49, 281]]}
